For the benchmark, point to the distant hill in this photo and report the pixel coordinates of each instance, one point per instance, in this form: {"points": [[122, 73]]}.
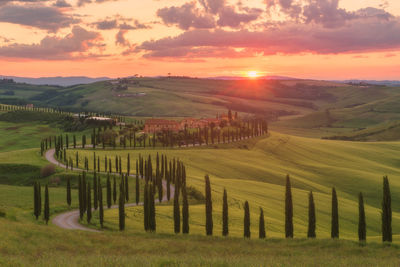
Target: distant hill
{"points": [[61, 81], [374, 82]]}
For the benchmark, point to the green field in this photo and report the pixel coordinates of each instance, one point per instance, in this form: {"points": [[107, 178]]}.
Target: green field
{"points": [[252, 170], [257, 174]]}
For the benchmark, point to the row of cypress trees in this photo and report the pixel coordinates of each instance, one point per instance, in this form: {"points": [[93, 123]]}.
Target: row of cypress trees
{"points": [[37, 202]]}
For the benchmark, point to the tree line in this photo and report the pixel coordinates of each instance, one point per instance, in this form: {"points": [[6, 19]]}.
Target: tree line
{"points": [[181, 215]]}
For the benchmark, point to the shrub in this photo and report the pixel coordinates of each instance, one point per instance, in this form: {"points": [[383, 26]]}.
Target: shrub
{"points": [[195, 194], [2, 214], [47, 170]]}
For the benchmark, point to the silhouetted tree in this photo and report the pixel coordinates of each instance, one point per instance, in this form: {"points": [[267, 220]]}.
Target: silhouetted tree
{"points": [[362, 226], [177, 219], [288, 209], [261, 225], [46, 205], [225, 227], [335, 215], [246, 221], [311, 216], [89, 204], [108, 191], [101, 207], [185, 211], [121, 207], [209, 220], [386, 212]]}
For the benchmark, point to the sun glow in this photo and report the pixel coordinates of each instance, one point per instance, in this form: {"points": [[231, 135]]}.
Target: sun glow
{"points": [[252, 74]]}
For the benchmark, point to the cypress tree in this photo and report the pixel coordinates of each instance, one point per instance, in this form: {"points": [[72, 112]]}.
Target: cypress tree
{"points": [[36, 199], [108, 191], [89, 204], [115, 190], [137, 189], [362, 226], [84, 198], [152, 210], [177, 223], [225, 227], [246, 223], [386, 212], [311, 216], [160, 188], [335, 215], [261, 225], [46, 205], [288, 209], [209, 220], [69, 192], [146, 207], [126, 188], [128, 167], [167, 174], [101, 207], [80, 193], [95, 191], [121, 208], [185, 211]]}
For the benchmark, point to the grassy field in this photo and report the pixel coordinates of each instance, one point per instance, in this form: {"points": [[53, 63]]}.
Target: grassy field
{"points": [[256, 172], [252, 170]]}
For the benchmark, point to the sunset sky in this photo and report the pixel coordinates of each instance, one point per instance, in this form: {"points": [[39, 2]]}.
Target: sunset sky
{"points": [[322, 39]]}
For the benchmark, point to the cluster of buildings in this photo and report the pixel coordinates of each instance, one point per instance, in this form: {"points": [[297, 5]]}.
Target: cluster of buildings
{"points": [[156, 125]]}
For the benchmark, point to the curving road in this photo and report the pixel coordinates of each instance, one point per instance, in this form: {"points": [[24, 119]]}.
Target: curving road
{"points": [[70, 219]]}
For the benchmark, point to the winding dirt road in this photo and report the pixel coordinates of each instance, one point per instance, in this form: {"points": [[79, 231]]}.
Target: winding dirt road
{"points": [[70, 219]]}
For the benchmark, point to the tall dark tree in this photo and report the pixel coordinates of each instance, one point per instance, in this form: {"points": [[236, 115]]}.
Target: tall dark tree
{"points": [[80, 193], [335, 215], [46, 205], [69, 192], [177, 219], [126, 188], [121, 207], [89, 204], [95, 191], [386, 212], [311, 216], [246, 221], [128, 165], [146, 208], [137, 190], [115, 190], [108, 191], [101, 206], [288, 209], [36, 198], [225, 226], [261, 225], [185, 211], [152, 210], [362, 226], [209, 220]]}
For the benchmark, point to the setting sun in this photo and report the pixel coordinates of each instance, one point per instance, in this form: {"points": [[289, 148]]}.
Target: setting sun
{"points": [[252, 74]]}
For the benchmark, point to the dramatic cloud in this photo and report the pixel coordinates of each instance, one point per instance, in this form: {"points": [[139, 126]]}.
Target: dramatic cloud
{"points": [[360, 35], [61, 3], [75, 45], [229, 17], [212, 14], [39, 16], [119, 23], [84, 2], [186, 16], [120, 38]]}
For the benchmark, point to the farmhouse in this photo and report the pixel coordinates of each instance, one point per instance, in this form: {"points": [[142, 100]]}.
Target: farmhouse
{"points": [[155, 125]]}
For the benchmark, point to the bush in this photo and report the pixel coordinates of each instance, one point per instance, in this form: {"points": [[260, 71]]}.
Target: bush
{"points": [[47, 170], [195, 194], [55, 181], [2, 214]]}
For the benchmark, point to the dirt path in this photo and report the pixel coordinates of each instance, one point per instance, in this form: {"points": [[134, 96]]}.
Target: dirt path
{"points": [[70, 219]]}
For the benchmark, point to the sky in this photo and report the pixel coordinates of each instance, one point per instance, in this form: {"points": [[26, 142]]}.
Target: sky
{"points": [[318, 39]]}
